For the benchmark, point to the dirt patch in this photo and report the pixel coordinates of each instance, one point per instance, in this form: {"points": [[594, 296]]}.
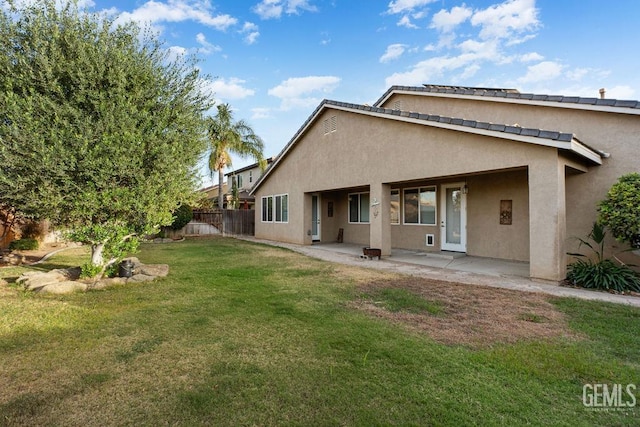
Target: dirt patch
{"points": [[474, 316]]}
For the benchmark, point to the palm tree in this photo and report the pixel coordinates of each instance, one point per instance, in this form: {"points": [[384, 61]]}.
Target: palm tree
{"points": [[226, 137]]}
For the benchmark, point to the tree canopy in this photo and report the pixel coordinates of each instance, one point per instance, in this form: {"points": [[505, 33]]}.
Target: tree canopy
{"points": [[227, 136], [620, 211], [99, 128]]}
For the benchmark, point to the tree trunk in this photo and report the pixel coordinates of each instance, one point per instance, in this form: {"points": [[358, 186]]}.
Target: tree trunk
{"points": [[220, 189], [96, 254]]}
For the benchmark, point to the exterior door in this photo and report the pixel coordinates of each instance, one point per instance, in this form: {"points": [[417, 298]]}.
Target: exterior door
{"points": [[315, 217], [453, 218]]}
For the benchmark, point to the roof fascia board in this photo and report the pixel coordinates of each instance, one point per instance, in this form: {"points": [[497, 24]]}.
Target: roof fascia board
{"points": [[552, 104]]}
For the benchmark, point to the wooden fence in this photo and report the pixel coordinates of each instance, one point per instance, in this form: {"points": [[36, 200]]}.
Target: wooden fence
{"points": [[229, 221]]}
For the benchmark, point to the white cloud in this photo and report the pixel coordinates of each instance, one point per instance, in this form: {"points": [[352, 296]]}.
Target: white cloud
{"points": [[393, 51], [273, 9], [200, 11], [531, 57], [231, 88], [207, 47], [620, 92], [404, 6], [470, 71], [446, 21], [426, 71], [546, 70], [406, 22], [260, 113], [298, 91], [250, 31], [503, 20]]}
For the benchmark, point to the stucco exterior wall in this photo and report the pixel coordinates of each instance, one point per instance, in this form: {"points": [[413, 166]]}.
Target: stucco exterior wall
{"points": [[365, 150], [485, 235], [613, 133]]}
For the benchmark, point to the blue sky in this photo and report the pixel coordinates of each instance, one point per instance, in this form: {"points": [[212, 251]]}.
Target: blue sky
{"points": [[274, 61]]}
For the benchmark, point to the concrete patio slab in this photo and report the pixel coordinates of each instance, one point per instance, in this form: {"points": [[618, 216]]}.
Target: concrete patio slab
{"points": [[455, 269]]}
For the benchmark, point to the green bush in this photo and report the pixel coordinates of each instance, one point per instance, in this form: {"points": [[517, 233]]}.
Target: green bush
{"points": [[181, 217], [620, 211], [604, 275], [600, 273], [89, 270], [27, 244]]}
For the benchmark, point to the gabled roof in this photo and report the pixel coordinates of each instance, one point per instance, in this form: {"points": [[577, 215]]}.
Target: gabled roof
{"points": [[514, 96], [249, 167], [563, 141]]}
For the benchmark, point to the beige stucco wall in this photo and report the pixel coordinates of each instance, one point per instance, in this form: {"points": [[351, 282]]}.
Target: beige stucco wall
{"points": [[485, 235], [614, 133], [365, 150]]}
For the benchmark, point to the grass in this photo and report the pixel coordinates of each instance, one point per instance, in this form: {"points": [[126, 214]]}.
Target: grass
{"points": [[245, 334]]}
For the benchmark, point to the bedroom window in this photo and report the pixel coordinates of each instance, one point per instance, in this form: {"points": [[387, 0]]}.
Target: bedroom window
{"points": [[267, 209], [282, 208], [359, 208]]}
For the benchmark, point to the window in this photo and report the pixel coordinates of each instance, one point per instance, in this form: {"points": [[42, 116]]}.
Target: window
{"points": [[395, 206], [275, 208], [239, 181], [282, 208], [267, 209], [420, 206], [250, 176], [359, 207]]}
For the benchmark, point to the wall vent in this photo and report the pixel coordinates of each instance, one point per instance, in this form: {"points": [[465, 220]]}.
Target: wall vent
{"points": [[429, 239], [330, 125]]}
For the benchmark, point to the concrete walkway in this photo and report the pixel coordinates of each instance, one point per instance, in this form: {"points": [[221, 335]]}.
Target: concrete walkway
{"points": [[449, 268]]}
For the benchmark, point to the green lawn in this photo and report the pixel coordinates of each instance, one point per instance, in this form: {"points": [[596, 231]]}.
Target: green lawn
{"points": [[245, 334]]}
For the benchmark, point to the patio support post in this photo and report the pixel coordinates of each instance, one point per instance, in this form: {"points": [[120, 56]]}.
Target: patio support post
{"points": [[547, 218], [306, 214], [380, 218]]}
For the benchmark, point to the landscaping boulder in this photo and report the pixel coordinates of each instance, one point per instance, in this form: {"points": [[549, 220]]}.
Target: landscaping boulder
{"points": [[158, 270], [65, 287], [63, 281]]}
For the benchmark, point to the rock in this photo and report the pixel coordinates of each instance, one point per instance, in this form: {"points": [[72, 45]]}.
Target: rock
{"points": [[158, 270], [108, 282], [34, 280], [65, 287], [139, 278]]}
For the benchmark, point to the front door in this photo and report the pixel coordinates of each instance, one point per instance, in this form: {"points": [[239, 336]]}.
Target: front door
{"points": [[315, 218], [453, 218]]}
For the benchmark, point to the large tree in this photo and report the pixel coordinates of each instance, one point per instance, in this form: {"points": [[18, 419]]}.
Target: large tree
{"points": [[227, 136], [100, 131]]}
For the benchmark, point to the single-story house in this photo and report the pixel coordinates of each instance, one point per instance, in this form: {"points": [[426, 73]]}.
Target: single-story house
{"points": [[484, 171]]}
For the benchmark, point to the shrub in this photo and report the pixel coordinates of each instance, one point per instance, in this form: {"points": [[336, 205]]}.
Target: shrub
{"points": [[620, 210], [604, 275], [89, 270], [600, 273], [181, 217], [27, 244]]}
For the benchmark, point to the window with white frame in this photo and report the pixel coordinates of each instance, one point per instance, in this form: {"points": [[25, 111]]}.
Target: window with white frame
{"points": [[282, 208], [419, 206], [359, 208], [275, 208], [395, 206], [250, 176], [267, 209]]}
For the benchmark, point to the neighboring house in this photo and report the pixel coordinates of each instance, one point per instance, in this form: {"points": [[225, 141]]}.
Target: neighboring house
{"points": [[211, 193], [487, 172], [244, 178]]}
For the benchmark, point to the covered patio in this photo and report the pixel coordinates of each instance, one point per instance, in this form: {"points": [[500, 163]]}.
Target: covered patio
{"points": [[444, 260]]}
